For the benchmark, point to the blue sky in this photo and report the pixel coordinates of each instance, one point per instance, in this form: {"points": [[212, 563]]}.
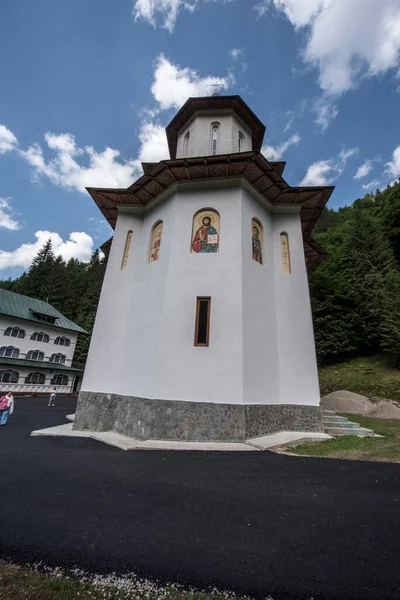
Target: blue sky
{"points": [[89, 86]]}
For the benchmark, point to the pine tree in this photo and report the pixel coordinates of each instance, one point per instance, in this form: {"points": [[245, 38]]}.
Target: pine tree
{"points": [[390, 329], [38, 279]]}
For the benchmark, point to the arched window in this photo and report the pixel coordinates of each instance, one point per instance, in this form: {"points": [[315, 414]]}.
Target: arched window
{"points": [[59, 380], [9, 376], [155, 241], [9, 351], [126, 250], [285, 253], [241, 142], [205, 231], [186, 144], [34, 355], [62, 341], [58, 358], [39, 336], [257, 241], [35, 378], [214, 137], [15, 332]]}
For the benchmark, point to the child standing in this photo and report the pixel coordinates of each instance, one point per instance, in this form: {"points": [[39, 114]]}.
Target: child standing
{"points": [[52, 398]]}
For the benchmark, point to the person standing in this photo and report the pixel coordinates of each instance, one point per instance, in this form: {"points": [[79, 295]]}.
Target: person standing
{"points": [[6, 407], [52, 398]]}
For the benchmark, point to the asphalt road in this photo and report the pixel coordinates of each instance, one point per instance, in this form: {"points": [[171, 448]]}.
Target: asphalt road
{"points": [[257, 523]]}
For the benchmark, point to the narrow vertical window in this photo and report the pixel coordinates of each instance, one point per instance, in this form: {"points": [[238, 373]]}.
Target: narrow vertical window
{"points": [[126, 250], [285, 252], [214, 137], [186, 144], [241, 142], [202, 329], [257, 241]]}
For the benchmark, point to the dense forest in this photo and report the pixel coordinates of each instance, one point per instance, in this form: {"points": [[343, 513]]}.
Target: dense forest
{"points": [[355, 292], [72, 287]]}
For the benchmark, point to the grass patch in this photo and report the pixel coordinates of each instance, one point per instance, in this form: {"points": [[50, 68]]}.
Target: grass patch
{"points": [[23, 583], [385, 449], [373, 377]]}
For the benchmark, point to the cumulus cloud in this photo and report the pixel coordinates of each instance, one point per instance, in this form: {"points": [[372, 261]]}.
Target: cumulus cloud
{"points": [[165, 10], [363, 169], [173, 85], [346, 39], [392, 168], [67, 170], [79, 245], [153, 143], [372, 185], [324, 172], [276, 152], [8, 141], [6, 216]]}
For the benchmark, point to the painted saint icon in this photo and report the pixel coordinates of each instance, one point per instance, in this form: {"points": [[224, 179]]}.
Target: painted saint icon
{"points": [[256, 241], [155, 242], [205, 232]]}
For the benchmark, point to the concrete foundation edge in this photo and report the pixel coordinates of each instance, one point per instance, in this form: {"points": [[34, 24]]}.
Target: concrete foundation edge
{"points": [[149, 419]]}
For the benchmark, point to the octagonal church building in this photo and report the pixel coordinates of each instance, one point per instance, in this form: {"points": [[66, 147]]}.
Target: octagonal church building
{"points": [[204, 329]]}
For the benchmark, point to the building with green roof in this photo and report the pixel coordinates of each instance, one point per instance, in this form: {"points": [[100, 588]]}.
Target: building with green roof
{"points": [[37, 347]]}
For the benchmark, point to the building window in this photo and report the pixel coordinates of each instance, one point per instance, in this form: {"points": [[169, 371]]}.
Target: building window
{"points": [[59, 380], [62, 341], [58, 358], [285, 253], [35, 378], [126, 250], [9, 376], [44, 318], [34, 355], [9, 352], [241, 142], [205, 231], [214, 137], [155, 241], [257, 241], [186, 144], [15, 332], [39, 336], [202, 328]]}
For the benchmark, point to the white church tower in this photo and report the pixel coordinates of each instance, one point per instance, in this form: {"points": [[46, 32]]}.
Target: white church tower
{"points": [[204, 328]]}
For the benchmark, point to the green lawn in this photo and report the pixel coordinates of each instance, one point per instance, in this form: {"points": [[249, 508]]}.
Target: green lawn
{"points": [[373, 377], [21, 583], [386, 449]]}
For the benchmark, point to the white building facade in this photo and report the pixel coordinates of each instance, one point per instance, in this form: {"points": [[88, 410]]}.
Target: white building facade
{"points": [[204, 327], [37, 346]]}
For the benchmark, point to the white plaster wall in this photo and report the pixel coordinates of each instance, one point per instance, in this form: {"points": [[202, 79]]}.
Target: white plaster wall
{"points": [[200, 135], [25, 344], [298, 372], [260, 358]]}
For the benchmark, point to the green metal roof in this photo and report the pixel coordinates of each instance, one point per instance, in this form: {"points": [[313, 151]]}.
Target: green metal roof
{"points": [[36, 364], [24, 307]]}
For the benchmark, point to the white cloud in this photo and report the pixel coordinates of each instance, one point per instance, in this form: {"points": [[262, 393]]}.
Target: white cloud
{"points": [[153, 143], [8, 141], [66, 171], [6, 219], [392, 168], [236, 52], [323, 172], [276, 152], [325, 111], [363, 169], [372, 185], [173, 85], [167, 10], [79, 245], [346, 39]]}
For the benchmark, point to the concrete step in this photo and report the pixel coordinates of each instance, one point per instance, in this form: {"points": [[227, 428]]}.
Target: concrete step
{"points": [[332, 423], [333, 419], [340, 431], [325, 411]]}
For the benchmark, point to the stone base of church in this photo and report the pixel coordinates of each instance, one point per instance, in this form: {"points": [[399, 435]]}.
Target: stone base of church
{"points": [[143, 418]]}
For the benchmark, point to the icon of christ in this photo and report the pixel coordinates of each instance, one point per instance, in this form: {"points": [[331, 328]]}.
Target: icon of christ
{"points": [[206, 237], [256, 245]]}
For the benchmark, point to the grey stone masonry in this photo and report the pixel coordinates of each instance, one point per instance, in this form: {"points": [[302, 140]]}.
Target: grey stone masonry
{"points": [[144, 419]]}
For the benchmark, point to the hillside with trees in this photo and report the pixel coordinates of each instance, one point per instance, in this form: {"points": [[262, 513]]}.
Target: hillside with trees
{"points": [[355, 292]]}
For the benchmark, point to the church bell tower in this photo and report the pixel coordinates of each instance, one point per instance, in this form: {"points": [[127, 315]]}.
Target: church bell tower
{"points": [[204, 329]]}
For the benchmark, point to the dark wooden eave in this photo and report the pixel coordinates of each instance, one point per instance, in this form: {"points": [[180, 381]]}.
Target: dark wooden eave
{"points": [[252, 166], [215, 103], [106, 247]]}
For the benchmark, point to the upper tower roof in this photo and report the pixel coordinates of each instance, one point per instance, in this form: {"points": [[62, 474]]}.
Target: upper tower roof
{"points": [[215, 104]]}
